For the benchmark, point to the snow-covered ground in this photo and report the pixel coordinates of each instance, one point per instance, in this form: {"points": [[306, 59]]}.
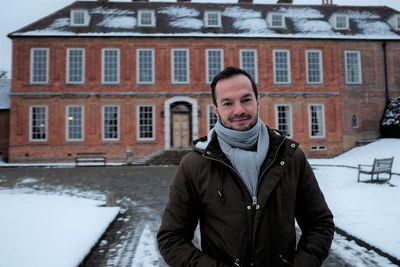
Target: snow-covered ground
{"points": [[31, 228]]}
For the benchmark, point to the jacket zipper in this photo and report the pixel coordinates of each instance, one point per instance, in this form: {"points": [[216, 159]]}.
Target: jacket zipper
{"points": [[254, 199]]}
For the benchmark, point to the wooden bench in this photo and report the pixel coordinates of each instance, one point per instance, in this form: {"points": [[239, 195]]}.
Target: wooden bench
{"points": [[90, 159], [380, 166]]}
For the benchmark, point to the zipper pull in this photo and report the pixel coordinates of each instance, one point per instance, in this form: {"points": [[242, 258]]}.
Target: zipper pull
{"points": [[254, 200]]}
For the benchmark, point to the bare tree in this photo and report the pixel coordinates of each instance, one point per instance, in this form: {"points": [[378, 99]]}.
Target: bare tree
{"points": [[3, 74]]}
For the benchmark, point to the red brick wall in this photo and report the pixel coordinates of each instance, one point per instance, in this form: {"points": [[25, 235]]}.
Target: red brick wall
{"points": [[4, 132]]}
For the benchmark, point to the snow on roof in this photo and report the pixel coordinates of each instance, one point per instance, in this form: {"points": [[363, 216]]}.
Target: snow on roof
{"points": [[4, 93], [186, 19]]}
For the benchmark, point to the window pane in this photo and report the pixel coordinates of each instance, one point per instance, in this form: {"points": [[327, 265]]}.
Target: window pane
{"points": [[146, 18], [110, 122], [39, 65], [317, 121], [353, 67], [180, 66], [284, 122], [212, 118], [248, 62], [110, 65], [145, 66], [38, 123], [281, 65], [314, 67], [75, 65], [214, 60], [74, 123], [146, 119]]}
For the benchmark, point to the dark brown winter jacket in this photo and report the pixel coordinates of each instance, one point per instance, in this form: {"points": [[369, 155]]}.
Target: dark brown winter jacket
{"points": [[234, 230]]}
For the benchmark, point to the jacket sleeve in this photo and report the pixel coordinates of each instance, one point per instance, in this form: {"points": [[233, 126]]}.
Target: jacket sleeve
{"points": [[178, 224], [314, 219]]}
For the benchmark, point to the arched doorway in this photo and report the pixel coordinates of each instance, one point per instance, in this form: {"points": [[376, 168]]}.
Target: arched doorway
{"points": [[181, 125]]}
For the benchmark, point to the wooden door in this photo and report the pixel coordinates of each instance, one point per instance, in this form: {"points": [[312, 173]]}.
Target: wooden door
{"points": [[180, 130]]}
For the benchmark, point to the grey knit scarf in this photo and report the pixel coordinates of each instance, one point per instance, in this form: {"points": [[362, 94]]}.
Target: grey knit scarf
{"points": [[246, 150]]}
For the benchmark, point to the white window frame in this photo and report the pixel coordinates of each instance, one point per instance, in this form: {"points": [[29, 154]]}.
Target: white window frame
{"points": [[67, 121], [46, 119], [210, 115], [359, 66], [255, 74], [209, 77], [334, 20], [74, 13], [173, 65], [32, 66], [310, 121], [288, 68], [103, 133], [320, 66], [152, 68], [68, 67], [290, 118], [153, 123], [207, 21], [103, 63], [271, 20], [152, 18]]}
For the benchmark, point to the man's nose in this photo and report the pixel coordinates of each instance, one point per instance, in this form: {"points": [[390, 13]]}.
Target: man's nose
{"points": [[239, 109]]}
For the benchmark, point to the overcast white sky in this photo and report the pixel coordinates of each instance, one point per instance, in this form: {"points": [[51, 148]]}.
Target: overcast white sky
{"points": [[15, 14]]}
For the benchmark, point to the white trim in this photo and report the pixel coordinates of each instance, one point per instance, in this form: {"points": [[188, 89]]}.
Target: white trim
{"points": [[209, 79], [290, 118], [152, 65], [359, 66], [173, 66], [167, 117], [152, 18], [103, 50], [153, 117], [289, 78], [321, 72], [206, 19], [334, 21], [47, 65], [118, 123], [209, 109], [67, 68], [86, 17], [67, 123], [255, 77], [323, 121], [46, 123], [282, 20]]}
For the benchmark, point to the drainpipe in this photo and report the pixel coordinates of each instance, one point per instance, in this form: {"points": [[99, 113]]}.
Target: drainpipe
{"points": [[385, 74]]}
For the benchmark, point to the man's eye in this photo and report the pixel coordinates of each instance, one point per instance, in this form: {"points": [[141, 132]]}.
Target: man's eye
{"points": [[227, 104]]}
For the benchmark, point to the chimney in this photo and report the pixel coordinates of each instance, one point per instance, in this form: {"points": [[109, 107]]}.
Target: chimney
{"points": [[327, 2], [182, 1], [245, 1], [284, 1], [102, 1]]}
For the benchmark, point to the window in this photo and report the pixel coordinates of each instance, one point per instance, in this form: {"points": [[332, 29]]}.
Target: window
{"points": [[340, 22], [283, 118], [38, 123], [212, 118], [214, 63], [145, 65], [79, 17], [353, 67], [212, 19], [146, 18], [75, 65], [74, 123], [110, 65], [39, 65], [276, 20], [314, 66], [354, 121], [146, 123], [110, 122], [281, 66], [248, 62], [180, 66], [316, 120]]}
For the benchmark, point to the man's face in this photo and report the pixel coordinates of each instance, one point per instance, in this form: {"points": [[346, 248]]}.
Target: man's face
{"points": [[237, 106]]}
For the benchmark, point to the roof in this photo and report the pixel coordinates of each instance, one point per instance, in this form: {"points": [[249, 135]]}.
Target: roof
{"points": [[5, 86], [186, 19]]}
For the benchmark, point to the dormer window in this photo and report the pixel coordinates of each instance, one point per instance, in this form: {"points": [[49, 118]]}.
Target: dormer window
{"points": [[79, 17], [276, 20], [146, 18], [340, 22], [394, 21], [212, 19]]}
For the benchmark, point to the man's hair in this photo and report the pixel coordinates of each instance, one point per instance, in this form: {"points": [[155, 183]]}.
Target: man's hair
{"points": [[229, 72]]}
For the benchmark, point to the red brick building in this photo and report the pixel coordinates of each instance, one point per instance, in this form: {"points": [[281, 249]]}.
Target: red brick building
{"points": [[118, 77], [4, 118]]}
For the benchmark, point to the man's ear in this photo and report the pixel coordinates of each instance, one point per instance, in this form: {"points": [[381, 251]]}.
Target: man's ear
{"points": [[215, 109]]}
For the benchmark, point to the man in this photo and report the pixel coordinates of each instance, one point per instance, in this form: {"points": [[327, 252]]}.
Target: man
{"points": [[245, 184]]}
